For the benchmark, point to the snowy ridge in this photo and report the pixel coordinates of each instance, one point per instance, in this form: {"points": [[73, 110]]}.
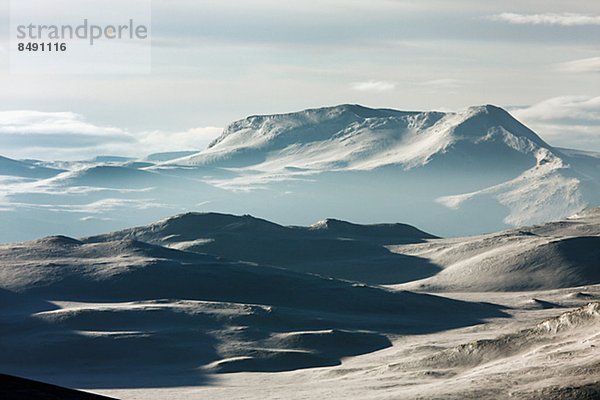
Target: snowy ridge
{"points": [[351, 137], [551, 183], [330, 247], [549, 256]]}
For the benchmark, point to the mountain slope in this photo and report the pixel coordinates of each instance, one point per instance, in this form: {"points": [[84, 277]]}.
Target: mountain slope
{"points": [[115, 312], [10, 167], [549, 256]]}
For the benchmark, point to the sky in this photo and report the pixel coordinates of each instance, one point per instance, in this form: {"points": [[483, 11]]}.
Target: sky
{"points": [[217, 61]]}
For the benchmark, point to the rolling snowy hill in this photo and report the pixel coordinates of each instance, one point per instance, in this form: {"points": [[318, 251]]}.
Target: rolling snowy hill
{"points": [[24, 169], [145, 310], [549, 256], [330, 247], [169, 317]]}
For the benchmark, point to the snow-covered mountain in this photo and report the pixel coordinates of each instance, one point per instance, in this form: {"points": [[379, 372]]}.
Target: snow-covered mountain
{"points": [[483, 158], [352, 137], [450, 173]]}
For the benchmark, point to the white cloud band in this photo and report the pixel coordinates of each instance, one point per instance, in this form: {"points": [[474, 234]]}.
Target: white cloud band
{"points": [[564, 19], [65, 135], [373, 86], [567, 121], [582, 66]]}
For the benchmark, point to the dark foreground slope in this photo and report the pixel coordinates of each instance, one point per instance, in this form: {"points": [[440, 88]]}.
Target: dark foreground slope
{"points": [[15, 388]]}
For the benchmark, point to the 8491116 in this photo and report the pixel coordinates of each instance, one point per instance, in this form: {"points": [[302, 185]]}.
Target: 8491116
{"points": [[44, 46]]}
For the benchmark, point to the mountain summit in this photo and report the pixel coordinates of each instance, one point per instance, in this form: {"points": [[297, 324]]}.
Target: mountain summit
{"points": [[353, 137]]}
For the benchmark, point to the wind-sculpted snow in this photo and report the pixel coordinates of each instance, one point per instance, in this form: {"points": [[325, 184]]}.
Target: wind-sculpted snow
{"points": [[555, 358], [584, 319], [123, 305]]}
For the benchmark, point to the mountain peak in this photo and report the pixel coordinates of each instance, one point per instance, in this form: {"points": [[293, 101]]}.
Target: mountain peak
{"points": [[486, 109], [355, 137], [481, 121], [213, 221], [196, 225], [318, 124], [357, 110], [490, 111], [340, 227]]}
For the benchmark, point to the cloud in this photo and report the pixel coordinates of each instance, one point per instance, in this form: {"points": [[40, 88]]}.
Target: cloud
{"points": [[373, 86], [564, 19], [568, 121], [95, 208], [192, 139], [68, 136], [444, 83], [581, 66], [14, 122], [567, 109]]}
